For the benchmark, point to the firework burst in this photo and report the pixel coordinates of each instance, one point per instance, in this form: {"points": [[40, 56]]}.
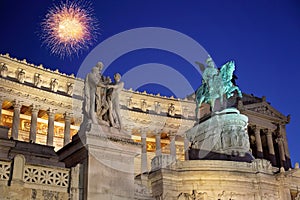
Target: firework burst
{"points": [[69, 28]]}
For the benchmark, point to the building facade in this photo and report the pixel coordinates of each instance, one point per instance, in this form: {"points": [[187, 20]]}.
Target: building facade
{"points": [[41, 113]]}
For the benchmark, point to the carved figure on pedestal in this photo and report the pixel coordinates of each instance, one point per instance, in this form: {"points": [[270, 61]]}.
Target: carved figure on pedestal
{"points": [[21, 75], [103, 109], [37, 80], [54, 85], [101, 90], [101, 98], [70, 87], [3, 70], [114, 104], [171, 110], [90, 85], [157, 107], [144, 105], [234, 137]]}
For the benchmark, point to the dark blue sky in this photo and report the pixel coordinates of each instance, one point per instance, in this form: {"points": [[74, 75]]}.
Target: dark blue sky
{"points": [[262, 37]]}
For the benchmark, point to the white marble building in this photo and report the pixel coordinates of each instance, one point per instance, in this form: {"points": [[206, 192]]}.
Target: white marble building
{"points": [[41, 112]]}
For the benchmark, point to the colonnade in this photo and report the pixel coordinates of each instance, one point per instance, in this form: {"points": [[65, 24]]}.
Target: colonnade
{"points": [[17, 105], [158, 148], [271, 137]]}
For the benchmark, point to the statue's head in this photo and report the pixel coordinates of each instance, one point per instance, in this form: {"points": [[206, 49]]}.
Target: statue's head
{"points": [[99, 65], [117, 77], [108, 80], [210, 62]]}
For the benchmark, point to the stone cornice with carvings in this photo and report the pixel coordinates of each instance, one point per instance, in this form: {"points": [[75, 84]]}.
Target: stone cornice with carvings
{"points": [[11, 90], [134, 99], [47, 75], [265, 110], [133, 119], [24, 63]]}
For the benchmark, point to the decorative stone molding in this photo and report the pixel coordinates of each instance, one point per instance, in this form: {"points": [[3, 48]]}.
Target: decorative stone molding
{"points": [[262, 165], [162, 161], [46, 176], [265, 109], [24, 63], [5, 170], [141, 191], [224, 133]]}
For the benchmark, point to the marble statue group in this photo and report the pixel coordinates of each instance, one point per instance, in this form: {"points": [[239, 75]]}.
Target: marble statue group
{"points": [[101, 98]]}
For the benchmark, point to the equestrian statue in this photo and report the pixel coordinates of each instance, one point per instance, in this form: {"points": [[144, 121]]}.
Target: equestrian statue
{"points": [[216, 84]]}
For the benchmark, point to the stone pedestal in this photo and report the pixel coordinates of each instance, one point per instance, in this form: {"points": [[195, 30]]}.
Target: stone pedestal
{"points": [[223, 136], [108, 159]]}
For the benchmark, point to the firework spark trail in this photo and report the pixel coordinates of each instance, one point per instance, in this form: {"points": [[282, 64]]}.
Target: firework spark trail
{"points": [[69, 28]]}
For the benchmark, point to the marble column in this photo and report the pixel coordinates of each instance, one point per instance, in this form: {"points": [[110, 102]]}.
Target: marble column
{"points": [[157, 144], [33, 122], [285, 142], [272, 157], [67, 129], [259, 150], [50, 131], [270, 141], [186, 148], [172, 144], [281, 148], [16, 119], [281, 151], [144, 164]]}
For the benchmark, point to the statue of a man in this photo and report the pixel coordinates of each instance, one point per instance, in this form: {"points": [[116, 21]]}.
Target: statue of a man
{"points": [[21, 75], [209, 73], [3, 70], [114, 102], [37, 80], [102, 111], [54, 85], [90, 86]]}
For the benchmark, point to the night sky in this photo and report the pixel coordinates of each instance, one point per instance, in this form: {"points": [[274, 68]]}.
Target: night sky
{"points": [[262, 37]]}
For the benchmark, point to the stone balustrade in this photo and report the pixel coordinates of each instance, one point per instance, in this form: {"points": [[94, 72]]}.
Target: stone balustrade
{"points": [[35, 181], [5, 168], [46, 176]]}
